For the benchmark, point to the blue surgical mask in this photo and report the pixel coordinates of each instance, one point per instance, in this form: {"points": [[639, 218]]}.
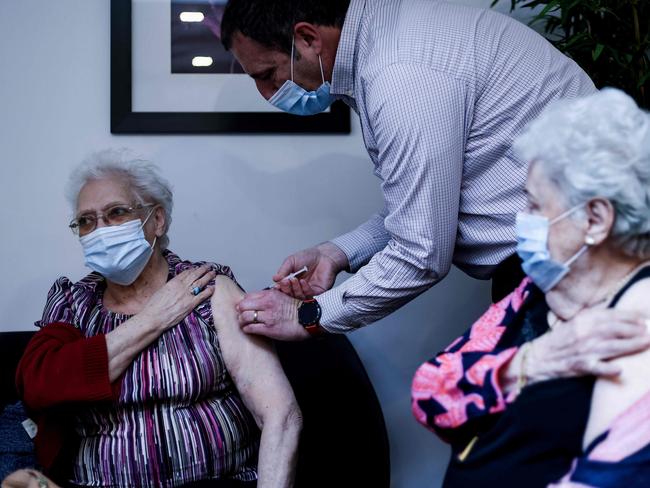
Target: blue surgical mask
{"points": [[532, 247], [118, 252], [294, 99]]}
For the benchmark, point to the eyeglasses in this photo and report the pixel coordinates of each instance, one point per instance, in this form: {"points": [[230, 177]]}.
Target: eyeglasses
{"points": [[113, 215]]}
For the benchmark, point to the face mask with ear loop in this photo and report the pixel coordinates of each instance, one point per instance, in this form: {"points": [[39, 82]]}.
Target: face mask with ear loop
{"points": [[532, 247], [294, 99], [118, 252]]}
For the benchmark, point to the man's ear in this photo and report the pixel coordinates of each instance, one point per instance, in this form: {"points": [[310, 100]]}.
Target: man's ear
{"points": [[307, 36], [600, 217]]}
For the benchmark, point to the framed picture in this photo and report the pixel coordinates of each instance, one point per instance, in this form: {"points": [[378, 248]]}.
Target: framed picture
{"points": [[171, 75]]}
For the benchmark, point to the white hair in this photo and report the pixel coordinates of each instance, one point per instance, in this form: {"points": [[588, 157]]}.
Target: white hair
{"points": [[598, 146], [141, 177]]}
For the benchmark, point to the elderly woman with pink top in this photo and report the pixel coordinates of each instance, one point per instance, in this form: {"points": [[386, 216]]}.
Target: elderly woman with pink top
{"points": [[550, 387]]}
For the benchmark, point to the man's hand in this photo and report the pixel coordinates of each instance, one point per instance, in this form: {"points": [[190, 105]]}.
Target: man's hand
{"points": [[272, 314], [582, 346], [585, 344], [324, 263]]}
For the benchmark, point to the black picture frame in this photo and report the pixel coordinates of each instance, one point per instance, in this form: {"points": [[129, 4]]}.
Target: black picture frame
{"points": [[125, 121]]}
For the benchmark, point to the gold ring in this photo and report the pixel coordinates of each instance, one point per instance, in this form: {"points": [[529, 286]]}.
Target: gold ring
{"points": [[255, 317]]}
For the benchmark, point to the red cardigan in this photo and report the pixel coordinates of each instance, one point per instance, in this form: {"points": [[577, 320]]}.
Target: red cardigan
{"points": [[61, 370]]}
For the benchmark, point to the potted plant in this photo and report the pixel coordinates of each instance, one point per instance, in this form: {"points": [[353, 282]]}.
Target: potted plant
{"points": [[609, 39]]}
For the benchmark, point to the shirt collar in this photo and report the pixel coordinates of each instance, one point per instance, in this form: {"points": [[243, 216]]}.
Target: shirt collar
{"points": [[343, 72]]}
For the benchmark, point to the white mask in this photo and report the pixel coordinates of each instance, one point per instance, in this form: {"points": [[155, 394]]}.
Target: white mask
{"points": [[532, 247], [119, 252], [294, 99]]}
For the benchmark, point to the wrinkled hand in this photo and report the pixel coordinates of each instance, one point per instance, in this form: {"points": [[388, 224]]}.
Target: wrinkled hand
{"points": [[272, 314], [27, 478], [584, 345], [324, 261], [174, 301]]}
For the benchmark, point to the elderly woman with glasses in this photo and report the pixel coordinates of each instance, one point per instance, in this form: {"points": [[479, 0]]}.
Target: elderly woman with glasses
{"points": [[552, 382], [140, 375]]}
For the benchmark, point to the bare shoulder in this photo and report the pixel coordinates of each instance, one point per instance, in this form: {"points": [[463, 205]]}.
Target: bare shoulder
{"points": [[635, 367], [225, 285], [613, 396], [225, 298], [637, 297]]}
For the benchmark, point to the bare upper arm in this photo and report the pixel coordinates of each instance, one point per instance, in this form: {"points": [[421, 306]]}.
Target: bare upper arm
{"points": [[612, 396], [251, 360]]}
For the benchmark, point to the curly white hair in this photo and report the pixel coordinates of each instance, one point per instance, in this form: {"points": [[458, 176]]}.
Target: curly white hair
{"points": [[598, 146], [142, 177]]}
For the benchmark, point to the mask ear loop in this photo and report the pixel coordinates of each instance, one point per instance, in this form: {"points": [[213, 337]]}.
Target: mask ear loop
{"points": [[150, 214], [577, 255], [293, 42], [322, 74], [145, 222], [320, 60], [566, 214]]}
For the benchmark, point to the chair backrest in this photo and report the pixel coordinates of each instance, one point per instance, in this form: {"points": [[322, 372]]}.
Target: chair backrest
{"points": [[344, 441], [12, 345]]}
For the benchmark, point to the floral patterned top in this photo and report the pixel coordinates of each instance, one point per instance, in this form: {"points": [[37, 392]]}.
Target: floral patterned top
{"points": [[457, 395]]}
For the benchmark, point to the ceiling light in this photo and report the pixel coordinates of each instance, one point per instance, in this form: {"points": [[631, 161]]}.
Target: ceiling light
{"points": [[201, 61], [192, 17]]}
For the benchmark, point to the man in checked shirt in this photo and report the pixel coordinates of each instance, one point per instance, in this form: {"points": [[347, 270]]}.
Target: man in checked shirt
{"points": [[441, 91]]}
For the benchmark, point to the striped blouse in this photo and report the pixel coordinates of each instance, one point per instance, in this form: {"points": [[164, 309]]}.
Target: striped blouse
{"points": [[179, 417]]}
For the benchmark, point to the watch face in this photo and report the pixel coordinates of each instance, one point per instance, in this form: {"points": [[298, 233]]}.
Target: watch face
{"points": [[309, 313]]}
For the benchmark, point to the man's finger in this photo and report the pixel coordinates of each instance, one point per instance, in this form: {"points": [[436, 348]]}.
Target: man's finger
{"points": [[307, 289], [605, 369], [258, 329], [618, 328], [251, 317], [284, 286], [624, 347], [296, 289], [285, 269], [252, 301]]}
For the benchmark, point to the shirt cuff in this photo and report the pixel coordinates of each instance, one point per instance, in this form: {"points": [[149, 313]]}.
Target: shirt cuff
{"points": [[359, 246], [333, 315], [95, 358]]}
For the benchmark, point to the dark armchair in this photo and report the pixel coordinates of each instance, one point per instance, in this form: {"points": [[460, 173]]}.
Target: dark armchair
{"points": [[344, 442]]}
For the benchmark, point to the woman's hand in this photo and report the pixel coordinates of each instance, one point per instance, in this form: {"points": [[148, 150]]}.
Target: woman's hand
{"points": [[584, 345], [166, 308], [27, 478], [175, 300]]}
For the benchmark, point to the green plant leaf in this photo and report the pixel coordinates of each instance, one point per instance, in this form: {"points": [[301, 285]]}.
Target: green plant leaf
{"points": [[597, 52], [600, 35], [643, 80]]}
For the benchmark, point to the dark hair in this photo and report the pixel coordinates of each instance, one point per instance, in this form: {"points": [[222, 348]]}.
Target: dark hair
{"points": [[271, 22]]}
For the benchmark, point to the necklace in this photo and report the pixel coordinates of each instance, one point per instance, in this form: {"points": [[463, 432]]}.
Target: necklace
{"points": [[553, 319]]}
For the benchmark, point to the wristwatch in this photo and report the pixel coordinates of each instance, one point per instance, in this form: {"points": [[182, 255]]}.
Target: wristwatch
{"points": [[309, 313]]}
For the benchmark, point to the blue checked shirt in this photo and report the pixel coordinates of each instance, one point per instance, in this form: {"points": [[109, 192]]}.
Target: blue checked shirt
{"points": [[441, 90]]}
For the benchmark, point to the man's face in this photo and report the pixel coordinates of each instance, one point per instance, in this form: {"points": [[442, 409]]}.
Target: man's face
{"points": [[271, 68]]}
